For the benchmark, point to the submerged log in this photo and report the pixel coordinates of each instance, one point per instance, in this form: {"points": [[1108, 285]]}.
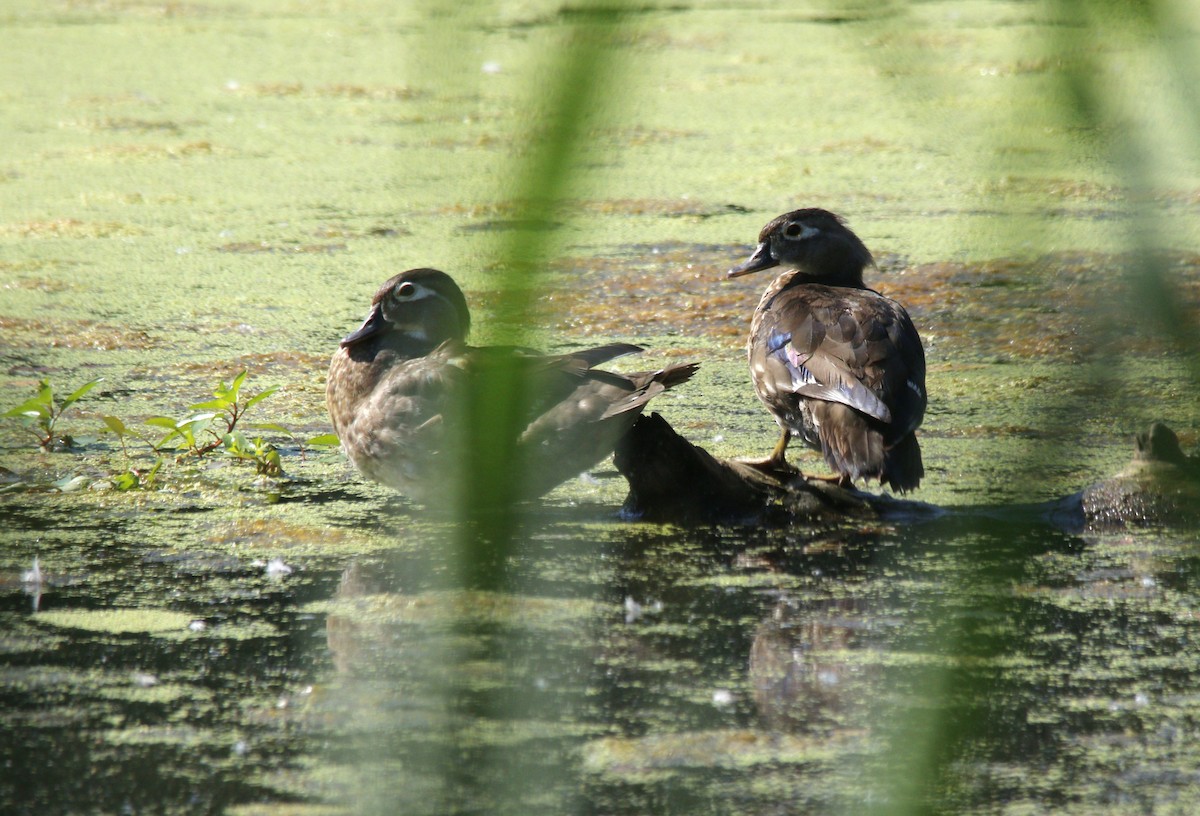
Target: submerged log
{"points": [[672, 480]]}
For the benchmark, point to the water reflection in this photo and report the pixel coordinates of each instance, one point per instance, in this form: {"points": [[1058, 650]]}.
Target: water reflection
{"points": [[113, 698], [630, 668], [821, 661], [31, 583], [803, 669]]}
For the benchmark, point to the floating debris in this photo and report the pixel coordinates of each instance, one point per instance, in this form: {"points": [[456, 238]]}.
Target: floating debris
{"points": [[143, 679], [277, 569], [634, 610], [34, 574], [32, 580]]}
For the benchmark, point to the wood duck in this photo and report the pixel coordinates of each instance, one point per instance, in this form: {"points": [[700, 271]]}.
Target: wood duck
{"points": [[838, 364], [396, 393]]}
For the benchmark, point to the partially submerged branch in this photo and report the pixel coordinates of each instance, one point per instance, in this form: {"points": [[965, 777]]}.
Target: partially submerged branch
{"points": [[672, 480]]}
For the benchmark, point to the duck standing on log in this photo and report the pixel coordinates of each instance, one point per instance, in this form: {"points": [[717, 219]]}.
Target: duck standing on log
{"points": [[838, 365], [397, 394]]}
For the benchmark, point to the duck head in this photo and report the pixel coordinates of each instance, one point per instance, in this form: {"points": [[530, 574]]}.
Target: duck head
{"points": [[422, 307], [814, 241]]}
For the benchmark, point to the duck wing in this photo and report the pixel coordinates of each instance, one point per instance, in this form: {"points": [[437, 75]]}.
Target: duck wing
{"points": [[849, 346], [547, 379], [575, 413]]}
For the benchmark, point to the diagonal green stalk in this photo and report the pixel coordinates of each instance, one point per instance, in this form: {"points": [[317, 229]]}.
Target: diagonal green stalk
{"points": [[498, 403], [933, 742], [578, 79]]}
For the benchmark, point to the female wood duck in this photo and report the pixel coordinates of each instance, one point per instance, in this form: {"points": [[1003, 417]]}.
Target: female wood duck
{"points": [[396, 393], [838, 364]]}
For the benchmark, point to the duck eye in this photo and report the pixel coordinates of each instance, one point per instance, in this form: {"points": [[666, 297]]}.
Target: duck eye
{"points": [[793, 230], [406, 290]]}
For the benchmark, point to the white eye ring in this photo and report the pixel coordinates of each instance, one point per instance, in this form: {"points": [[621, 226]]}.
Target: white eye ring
{"points": [[406, 290], [797, 231]]}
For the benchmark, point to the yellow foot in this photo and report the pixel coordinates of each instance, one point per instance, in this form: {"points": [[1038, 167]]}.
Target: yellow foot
{"points": [[776, 468], [840, 480]]}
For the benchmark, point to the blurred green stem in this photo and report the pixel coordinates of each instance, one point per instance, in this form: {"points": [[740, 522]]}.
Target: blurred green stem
{"points": [[580, 77]]}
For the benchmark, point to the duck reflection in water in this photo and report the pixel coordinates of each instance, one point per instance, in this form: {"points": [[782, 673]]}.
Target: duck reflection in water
{"points": [[806, 668]]}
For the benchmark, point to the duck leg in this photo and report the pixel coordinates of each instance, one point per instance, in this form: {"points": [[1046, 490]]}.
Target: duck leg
{"points": [[776, 464], [841, 480], [778, 457]]}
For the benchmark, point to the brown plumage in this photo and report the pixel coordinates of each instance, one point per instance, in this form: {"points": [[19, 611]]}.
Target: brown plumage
{"points": [[396, 394], [837, 364]]}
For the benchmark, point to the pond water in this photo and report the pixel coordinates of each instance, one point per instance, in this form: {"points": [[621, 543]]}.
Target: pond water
{"points": [[224, 187]]}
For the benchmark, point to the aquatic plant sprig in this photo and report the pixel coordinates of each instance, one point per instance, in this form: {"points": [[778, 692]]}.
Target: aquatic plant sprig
{"points": [[196, 436], [136, 478], [215, 424], [40, 414], [262, 453], [319, 441]]}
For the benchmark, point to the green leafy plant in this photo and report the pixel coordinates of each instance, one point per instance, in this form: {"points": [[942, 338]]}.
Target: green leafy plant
{"points": [[186, 434], [324, 440], [263, 454], [135, 479], [41, 413], [116, 426], [213, 425]]}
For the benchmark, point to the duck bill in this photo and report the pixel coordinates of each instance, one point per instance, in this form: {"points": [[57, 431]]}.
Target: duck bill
{"points": [[370, 327], [761, 259]]}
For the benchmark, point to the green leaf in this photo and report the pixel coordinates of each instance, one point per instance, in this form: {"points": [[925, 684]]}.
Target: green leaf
{"points": [[153, 472], [115, 425], [38, 406], [185, 429], [324, 439], [126, 481], [226, 395], [160, 444], [269, 463], [219, 404], [236, 385], [45, 395], [83, 389], [33, 413], [236, 444], [196, 419], [257, 398]]}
